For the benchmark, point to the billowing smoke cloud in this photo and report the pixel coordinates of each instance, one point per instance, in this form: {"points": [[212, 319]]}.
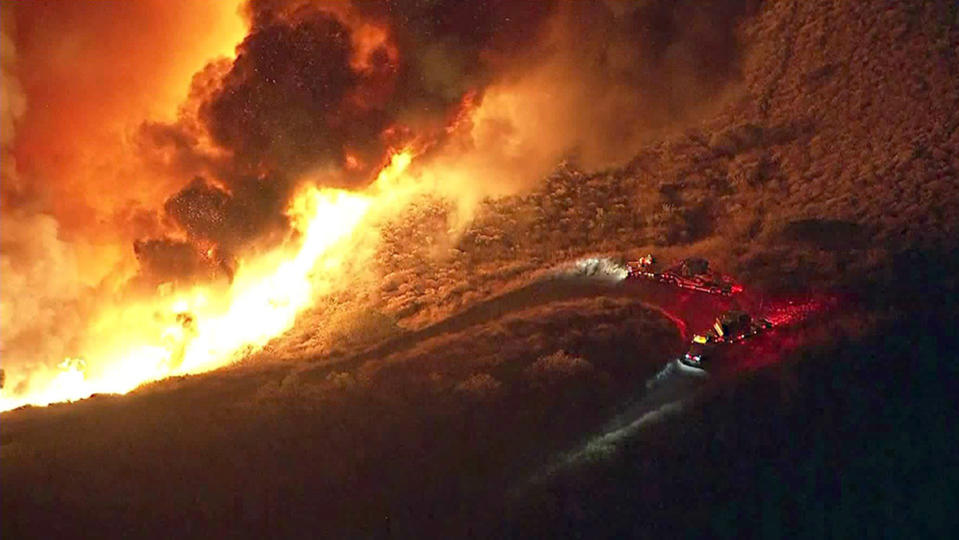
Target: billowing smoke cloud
{"points": [[599, 81], [13, 103], [112, 170], [318, 84], [329, 88], [37, 269], [74, 192], [660, 64]]}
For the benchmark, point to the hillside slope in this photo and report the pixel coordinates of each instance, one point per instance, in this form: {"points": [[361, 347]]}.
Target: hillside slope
{"points": [[838, 150], [833, 163]]}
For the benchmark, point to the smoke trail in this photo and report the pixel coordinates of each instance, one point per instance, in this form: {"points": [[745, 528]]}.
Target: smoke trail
{"points": [[664, 395]]}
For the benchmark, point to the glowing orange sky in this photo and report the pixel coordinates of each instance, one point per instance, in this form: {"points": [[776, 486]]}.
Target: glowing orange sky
{"points": [[92, 72]]}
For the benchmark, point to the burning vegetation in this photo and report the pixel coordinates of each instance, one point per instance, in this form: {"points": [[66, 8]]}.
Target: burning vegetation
{"points": [[145, 225], [365, 203]]}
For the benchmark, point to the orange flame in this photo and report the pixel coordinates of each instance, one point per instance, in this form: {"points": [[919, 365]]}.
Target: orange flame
{"points": [[204, 328]]}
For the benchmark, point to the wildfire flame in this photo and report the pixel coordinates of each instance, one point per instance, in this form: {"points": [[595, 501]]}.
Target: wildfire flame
{"points": [[202, 329]]}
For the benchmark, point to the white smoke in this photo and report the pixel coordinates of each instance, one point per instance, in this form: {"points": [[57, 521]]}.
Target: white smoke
{"points": [[13, 103], [666, 395], [601, 268], [38, 277]]}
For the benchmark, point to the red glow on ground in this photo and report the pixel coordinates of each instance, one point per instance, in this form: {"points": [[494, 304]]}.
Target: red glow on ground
{"points": [[678, 321], [794, 326], [796, 310]]}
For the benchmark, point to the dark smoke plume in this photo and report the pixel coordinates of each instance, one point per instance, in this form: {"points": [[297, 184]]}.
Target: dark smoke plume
{"points": [[330, 87], [297, 96]]}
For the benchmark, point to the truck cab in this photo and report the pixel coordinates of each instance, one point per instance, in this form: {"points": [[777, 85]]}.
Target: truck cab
{"points": [[731, 327], [641, 267]]}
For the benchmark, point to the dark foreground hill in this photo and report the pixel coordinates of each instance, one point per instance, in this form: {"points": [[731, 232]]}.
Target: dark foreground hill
{"points": [[421, 440], [851, 438]]}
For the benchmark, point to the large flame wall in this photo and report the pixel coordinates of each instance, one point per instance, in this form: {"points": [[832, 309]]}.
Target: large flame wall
{"points": [[174, 170]]}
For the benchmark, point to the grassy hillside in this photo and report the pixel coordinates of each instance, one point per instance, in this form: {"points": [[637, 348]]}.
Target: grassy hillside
{"points": [[833, 162], [418, 440], [838, 150]]}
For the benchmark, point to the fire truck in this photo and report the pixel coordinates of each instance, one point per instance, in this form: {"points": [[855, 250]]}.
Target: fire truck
{"points": [[731, 327], [693, 273]]}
